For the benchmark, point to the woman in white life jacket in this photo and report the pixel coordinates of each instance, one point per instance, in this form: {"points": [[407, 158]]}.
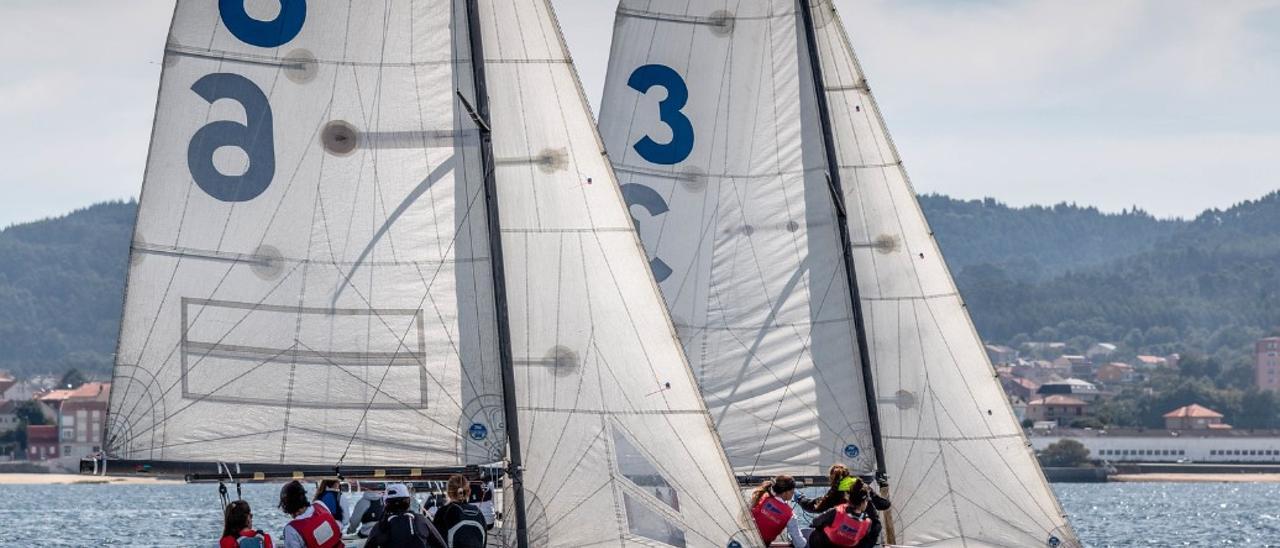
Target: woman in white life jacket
{"points": [[848, 525], [310, 525], [771, 508]]}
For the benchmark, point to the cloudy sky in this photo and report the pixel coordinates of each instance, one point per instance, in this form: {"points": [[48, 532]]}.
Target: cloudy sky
{"points": [[1171, 105]]}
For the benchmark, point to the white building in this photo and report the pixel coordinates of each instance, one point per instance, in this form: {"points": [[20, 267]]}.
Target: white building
{"points": [[1132, 445]]}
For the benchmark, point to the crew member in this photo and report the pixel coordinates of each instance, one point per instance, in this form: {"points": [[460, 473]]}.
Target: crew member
{"points": [[848, 525], [771, 508], [310, 525]]}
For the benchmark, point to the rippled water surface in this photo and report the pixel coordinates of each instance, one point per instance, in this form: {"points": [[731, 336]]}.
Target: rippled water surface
{"points": [[1116, 514]]}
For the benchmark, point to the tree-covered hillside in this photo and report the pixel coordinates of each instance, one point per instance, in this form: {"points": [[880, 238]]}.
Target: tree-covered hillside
{"points": [[61, 287], [1063, 273]]}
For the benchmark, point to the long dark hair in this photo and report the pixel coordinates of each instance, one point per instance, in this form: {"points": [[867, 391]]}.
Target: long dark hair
{"points": [[324, 485], [235, 518], [293, 497], [776, 486], [857, 497]]}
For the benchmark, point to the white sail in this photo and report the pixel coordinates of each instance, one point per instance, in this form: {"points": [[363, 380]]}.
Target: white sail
{"points": [[617, 446], [962, 467], [730, 197], [309, 279]]}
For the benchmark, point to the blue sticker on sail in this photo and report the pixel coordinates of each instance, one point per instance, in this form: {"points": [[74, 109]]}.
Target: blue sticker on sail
{"points": [[264, 34], [478, 432], [255, 138], [852, 451], [734, 544], [651, 201], [669, 111]]}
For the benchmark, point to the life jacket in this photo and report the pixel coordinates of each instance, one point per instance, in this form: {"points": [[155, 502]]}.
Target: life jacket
{"points": [[466, 526], [256, 540], [318, 530], [333, 501], [373, 513], [772, 515], [846, 530], [399, 531]]}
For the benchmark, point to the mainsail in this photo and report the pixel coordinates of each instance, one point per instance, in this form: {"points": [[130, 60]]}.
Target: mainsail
{"points": [[735, 210], [962, 470], [316, 277]]}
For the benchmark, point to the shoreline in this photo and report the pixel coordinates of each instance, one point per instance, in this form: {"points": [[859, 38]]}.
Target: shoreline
{"points": [[76, 479], [1170, 477]]}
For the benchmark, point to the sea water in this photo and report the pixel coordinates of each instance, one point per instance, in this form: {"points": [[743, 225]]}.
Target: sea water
{"points": [[1113, 514]]}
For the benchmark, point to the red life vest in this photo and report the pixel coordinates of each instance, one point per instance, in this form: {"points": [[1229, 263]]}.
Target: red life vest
{"points": [[772, 515], [318, 530], [847, 530]]}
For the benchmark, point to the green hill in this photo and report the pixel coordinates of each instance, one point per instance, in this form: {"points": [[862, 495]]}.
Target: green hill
{"points": [[61, 288], [1063, 272]]}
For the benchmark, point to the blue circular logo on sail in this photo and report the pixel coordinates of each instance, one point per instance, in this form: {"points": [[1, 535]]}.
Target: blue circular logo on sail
{"points": [[734, 544], [478, 432], [852, 451], [1054, 541]]}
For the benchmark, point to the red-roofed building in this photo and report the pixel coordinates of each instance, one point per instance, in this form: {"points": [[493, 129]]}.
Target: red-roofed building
{"points": [[1116, 372], [81, 417], [42, 442], [1058, 408], [1194, 417]]}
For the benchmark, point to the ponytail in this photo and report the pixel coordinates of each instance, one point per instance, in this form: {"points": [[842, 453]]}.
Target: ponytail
{"points": [[775, 486], [759, 493]]}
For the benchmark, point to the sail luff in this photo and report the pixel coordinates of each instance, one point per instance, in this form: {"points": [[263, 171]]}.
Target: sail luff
{"points": [[515, 471], [846, 247]]}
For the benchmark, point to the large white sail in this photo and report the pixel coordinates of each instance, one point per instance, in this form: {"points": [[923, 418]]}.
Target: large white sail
{"points": [[309, 280], [617, 446], [312, 277], [961, 463], [722, 165]]}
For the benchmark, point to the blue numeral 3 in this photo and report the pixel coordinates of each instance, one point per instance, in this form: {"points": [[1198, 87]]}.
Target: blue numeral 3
{"points": [[255, 138], [264, 34], [651, 201], [681, 143]]}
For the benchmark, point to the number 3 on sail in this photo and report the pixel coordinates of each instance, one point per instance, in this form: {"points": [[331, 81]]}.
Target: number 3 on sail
{"points": [[681, 144]]}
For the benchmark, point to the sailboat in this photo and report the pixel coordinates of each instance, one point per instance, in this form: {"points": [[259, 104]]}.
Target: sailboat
{"points": [[361, 252], [806, 286]]}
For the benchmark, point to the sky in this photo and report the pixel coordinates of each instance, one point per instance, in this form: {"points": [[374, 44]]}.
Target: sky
{"points": [[1169, 105]]}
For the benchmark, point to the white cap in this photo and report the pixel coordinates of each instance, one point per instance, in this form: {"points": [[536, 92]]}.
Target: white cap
{"points": [[397, 491]]}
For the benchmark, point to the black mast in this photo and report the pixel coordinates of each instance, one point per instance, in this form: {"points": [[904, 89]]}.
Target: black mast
{"points": [[842, 224], [481, 113]]}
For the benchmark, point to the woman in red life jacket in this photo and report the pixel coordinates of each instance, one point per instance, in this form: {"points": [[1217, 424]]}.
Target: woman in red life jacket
{"points": [[841, 482], [238, 531], [771, 508], [311, 526], [848, 525]]}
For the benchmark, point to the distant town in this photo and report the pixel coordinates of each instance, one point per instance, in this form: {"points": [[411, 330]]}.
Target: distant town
{"points": [[1104, 400]]}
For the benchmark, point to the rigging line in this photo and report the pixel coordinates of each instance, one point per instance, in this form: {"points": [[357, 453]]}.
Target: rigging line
{"points": [[571, 472], [1018, 528]]}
